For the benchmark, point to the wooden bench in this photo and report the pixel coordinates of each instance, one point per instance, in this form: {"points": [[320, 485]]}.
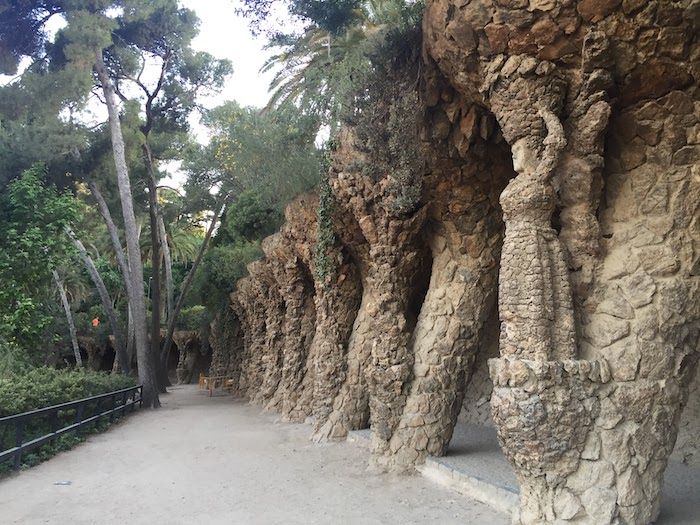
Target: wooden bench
{"points": [[214, 382]]}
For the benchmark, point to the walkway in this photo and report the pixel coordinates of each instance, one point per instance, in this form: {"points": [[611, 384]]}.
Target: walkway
{"points": [[220, 461]]}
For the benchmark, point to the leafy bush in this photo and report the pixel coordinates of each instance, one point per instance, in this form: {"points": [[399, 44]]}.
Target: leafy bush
{"points": [[192, 318], [221, 268], [43, 387]]}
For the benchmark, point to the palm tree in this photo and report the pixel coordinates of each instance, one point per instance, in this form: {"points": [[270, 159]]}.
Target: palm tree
{"points": [[319, 70]]}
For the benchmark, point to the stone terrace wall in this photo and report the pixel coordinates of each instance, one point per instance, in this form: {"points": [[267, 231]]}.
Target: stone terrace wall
{"points": [[546, 265]]}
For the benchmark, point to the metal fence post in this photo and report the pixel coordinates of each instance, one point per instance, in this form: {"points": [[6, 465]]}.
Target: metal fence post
{"points": [[53, 422], [19, 435]]}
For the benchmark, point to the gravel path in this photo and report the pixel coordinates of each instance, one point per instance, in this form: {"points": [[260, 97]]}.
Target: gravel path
{"points": [[220, 461]]}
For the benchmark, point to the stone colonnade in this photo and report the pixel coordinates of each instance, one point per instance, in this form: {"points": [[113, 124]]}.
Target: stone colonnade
{"points": [[558, 203]]}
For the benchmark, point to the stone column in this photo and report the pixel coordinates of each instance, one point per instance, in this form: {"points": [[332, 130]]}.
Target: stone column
{"points": [[294, 288], [395, 260], [273, 345], [465, 239], [338, 298]]}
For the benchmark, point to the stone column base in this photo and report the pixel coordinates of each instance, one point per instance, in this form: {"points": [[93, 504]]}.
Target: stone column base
{"points": [[584, 449]]}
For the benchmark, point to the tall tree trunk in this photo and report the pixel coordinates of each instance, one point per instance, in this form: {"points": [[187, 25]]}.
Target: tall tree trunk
{"points": [[69, 318], [188, 282], [138, 303], [113, 235], [168, 265], [107, 304], [156, 247], [131, 337]]}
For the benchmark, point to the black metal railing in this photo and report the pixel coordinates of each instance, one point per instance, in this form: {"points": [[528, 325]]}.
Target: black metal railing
{"points": [[71, 417]]}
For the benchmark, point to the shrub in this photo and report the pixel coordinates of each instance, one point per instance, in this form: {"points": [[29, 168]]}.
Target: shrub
{"points": [[43, 387], [192, 318]]}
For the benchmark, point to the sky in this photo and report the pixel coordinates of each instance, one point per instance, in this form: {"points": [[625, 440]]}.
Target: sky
{"points": [[225, 34]]}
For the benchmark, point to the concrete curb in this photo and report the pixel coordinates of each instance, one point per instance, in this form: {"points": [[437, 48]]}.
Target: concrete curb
{"points": [[501, 498]]}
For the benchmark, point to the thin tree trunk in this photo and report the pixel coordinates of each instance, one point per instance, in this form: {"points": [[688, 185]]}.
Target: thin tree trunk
{"points": [[113, 235], [156, 246], [107, 304], [69, 318], [131, 338], [188, 282], [138, 303], [168, 264]]}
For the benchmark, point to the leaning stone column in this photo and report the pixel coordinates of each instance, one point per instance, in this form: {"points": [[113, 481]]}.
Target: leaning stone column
{"points": [[465, 239], [252, 293], [238, 304], [338, 295], [384, 236], [395, 260], [294, 289], [272, 342]]}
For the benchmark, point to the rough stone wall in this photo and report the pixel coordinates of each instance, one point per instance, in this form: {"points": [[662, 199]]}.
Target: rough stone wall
{"points": [[300, 228], [559, 145], [558, 75], [688, 442], [271, 347], [290, 257], [191, 361], [349, 409], [237, 302], [226, 343], [464, 231], [476, 407], [392, 260], [338, 297], [252, 293]]}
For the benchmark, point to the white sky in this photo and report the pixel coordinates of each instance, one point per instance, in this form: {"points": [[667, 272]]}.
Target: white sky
{"points": [[226, 35]]}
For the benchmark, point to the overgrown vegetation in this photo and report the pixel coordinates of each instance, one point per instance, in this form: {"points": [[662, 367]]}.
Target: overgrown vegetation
{"points": [[43, 387], [325, 234], [33, 219]]}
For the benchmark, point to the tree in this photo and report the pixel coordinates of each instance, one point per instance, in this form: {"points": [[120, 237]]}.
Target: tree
{"points": [[328, 16], [237, 158], [137, 303], [69, 318], [161, 34], [322, 69], [80, 47], [33, 218], [107, 304]]}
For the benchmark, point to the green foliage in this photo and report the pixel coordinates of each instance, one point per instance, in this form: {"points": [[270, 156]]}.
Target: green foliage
{"points": [[222, 266], [43, 387], [33, 218], [13, 359], [271, 153], [386, 118], [250, 218], [325, 234], [22, 32], [333, 15], [325, 72], [192, 318]]}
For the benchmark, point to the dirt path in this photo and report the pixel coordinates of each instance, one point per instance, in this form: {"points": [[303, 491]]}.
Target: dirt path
{"points": [[220, 461]]}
